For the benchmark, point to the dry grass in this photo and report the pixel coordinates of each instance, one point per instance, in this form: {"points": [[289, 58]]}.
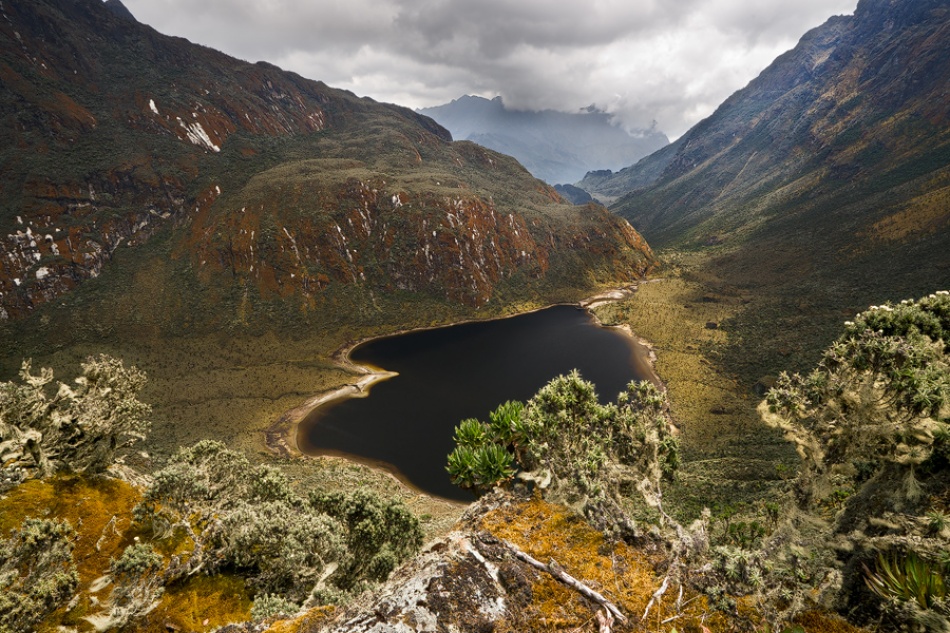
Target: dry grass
{"points": [[306, 622], [201, 603]]}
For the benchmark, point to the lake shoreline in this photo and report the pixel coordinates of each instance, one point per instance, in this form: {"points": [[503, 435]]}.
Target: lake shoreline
{"points": [[281, 436]]}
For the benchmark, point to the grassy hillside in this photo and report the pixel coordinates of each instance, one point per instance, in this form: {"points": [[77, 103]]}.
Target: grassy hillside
{"points": [[820, 188]]}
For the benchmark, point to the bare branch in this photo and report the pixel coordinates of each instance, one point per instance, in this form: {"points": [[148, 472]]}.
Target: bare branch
{"points": [[555, 570]]}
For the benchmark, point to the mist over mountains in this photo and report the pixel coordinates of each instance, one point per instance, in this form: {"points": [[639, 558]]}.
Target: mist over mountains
{"points": [[557, 147]]}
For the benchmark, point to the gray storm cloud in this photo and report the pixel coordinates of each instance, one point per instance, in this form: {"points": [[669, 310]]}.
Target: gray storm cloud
{"points": [[643, 61]]}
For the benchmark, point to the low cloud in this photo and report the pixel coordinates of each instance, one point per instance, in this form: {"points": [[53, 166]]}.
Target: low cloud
{"points": [[643, 61]]}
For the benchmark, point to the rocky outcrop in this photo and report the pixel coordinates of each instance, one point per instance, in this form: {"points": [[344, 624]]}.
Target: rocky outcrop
{"points": [[368, 229]]}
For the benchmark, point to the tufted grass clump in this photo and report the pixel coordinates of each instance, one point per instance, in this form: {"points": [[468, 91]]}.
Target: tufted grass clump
{"points": [[910, 577]]}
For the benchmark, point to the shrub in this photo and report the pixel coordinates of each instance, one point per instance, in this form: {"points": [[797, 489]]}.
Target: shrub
{"points": [[379, 534], [869, 423], [137, 583], [268, 606], [578, 451], [879, 396], [83, 428], [37, 572], [249, 519]]}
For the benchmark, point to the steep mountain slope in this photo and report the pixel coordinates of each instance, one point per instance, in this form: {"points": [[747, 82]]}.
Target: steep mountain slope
{"points": [[825, 183], [557, 147], [262, 185]]}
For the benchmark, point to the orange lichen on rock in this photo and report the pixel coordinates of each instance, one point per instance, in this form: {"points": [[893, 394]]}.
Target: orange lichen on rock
{"points": [[623, 574]]}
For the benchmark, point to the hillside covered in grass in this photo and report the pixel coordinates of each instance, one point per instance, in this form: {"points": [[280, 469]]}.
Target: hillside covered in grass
{"points": [[819, 188]]}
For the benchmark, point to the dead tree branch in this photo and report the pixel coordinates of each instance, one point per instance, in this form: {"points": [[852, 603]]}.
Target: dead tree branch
{"points": [[555, 570]]}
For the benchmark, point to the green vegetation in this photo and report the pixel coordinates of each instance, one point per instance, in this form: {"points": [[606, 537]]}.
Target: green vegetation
{"points": [[578, 452], [37, 573], [870, 425], [379, 535], [879, 397], [219, 512], [911, 578], [207, 512]]}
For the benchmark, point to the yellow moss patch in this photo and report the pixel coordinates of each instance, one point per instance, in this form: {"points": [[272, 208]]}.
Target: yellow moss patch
{"points": [[622, 574], [200, 604], [306, 622], [100, 510]]}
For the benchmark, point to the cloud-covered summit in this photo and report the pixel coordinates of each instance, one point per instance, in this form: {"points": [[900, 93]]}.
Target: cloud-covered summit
{"points": [[672, 62]]}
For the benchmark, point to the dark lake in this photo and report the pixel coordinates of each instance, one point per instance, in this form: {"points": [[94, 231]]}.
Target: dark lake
{"points": [[463, 371]]}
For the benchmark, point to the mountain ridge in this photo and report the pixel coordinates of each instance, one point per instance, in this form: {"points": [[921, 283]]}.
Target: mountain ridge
{"points": [[557, 147], [803, 114], [115, 133], [820, 187]]}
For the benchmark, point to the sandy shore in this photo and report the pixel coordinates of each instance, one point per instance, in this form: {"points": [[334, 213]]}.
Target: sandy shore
{"points": [[281, 437]]}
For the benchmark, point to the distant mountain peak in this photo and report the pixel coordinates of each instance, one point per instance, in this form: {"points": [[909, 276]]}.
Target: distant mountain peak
{"points": [[119, 9], [557, 147]]}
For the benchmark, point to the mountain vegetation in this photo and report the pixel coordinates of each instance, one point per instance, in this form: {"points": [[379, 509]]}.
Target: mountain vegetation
{"points": [[228, 227], [816, 190], [269, 185], [557, 147], [161, 198]]}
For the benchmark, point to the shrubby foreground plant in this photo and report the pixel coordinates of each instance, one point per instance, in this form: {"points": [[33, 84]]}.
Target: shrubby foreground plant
{"points": [[577, 451], [870, 424], [82, 428], [37, 573], [208, 511], [249, 520]]}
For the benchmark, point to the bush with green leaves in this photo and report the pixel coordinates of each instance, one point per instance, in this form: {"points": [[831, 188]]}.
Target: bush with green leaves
{"points": [[379, 534], [870, 424], [37, 573], [45, 429], [249, 519], [268, 605], [880, 396], [578, 451]]}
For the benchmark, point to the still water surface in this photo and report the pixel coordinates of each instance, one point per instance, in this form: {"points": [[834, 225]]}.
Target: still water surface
{"points": [[457, 372]]}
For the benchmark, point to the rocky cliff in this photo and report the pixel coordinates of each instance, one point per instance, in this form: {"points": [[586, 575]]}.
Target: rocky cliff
{"points": [[259, 182]]}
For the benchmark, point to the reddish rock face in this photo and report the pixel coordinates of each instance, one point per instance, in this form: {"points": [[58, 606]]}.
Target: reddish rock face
{"points": [[458, 246], [258, 177]]}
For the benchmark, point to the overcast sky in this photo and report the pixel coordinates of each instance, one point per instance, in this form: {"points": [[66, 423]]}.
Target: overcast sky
{"points": [[643, 60]]}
